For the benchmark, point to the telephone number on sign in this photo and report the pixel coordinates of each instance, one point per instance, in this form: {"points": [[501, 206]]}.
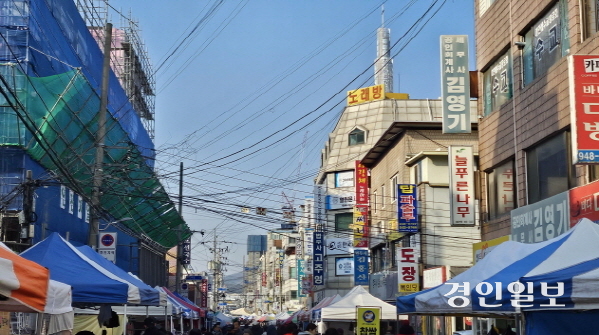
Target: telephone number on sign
{"points": [[588, 156]]}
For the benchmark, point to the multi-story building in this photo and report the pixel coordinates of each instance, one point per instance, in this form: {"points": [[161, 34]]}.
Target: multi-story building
{"points": [[410, 192], [537, 122], [58, 173]]}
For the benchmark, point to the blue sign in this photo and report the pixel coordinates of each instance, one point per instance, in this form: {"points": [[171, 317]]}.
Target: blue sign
{"points": [[194, 277], [407, 208], [360, 267], [318, 259]]}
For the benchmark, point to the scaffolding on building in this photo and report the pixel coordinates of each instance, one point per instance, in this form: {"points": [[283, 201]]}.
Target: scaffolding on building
{"points": [[130, 61]]}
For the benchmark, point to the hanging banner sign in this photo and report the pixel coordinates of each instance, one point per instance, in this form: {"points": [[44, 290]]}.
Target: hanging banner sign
{"points": [[455, 84], [361, 184], [318, 260], [301, 264], [368, 320], [461, 185], [407, 208], [319, 205], [360, 227], [408, 277], [584, 105], [360, 267]]}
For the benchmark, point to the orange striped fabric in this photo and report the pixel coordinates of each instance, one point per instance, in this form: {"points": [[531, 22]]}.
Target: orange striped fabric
{"points": [[32, 280]]}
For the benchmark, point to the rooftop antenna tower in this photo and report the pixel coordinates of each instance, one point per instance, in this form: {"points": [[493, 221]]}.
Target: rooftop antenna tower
{"points": [[383, 65]]}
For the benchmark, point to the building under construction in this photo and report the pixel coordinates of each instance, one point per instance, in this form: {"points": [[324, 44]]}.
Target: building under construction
{"points": [[57, 172]]}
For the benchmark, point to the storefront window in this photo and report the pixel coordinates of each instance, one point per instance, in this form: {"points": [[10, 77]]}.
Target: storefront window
{"points": [[501, 189]]}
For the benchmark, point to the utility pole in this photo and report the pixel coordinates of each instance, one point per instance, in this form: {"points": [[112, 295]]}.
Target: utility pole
{"points": [[100, 137], [179, 260]]}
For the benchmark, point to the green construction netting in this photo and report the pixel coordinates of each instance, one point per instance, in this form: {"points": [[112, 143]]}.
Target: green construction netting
{"points": [[55, 119]]}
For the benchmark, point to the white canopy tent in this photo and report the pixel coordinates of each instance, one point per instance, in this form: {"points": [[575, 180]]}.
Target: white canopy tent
{"points": [[345, 309]]}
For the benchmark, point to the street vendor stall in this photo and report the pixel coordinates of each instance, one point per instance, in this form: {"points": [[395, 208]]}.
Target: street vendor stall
{"points": [[553, 284]]}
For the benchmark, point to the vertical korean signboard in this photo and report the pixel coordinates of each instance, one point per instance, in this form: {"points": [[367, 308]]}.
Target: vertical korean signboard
{"points": [[319, 205], [584, 105], [455, 84], [301, 290], [204, 291], [318, 260], [360, 267], [461, 185], [360, 226], [408, 280], [407, 208], [361, 182], [368, 320]]}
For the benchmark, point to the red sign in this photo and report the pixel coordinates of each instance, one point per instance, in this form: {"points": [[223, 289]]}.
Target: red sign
{"points": [[361, 184], [408, 277], [204, 291], [264, 276], [584, 203], [584, 104]]}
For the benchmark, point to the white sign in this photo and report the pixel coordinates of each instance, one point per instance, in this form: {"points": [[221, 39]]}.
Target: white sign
{"points": [[344, 266], [107, 246], [408, 277], [340, 201], [319, 204], [338, 246], [434, 277], [461, 185]]}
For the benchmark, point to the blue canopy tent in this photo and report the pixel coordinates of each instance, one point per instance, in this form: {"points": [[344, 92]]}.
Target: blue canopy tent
{"points": [[148, 295], [91, 282], [537, 280]]}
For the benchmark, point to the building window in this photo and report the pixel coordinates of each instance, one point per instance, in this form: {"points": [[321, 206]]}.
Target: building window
{"points": [[590, 19], [548, 168], [293, 294], [501, 189], [293, 273], [357, 136], [343, 221], [546, 42], [393, 189], [375, 206], [497, 83], [383, 194]]}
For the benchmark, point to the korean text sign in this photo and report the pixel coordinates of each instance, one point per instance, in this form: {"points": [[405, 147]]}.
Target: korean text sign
{"points": [[584, 104], [461, 185], [361, 184], [584, 203], [542, 220], [360, 226], [407, 208], [368, 320], [360, 267], [408, 277], [455, 84], [366, 94], [318, 260]]}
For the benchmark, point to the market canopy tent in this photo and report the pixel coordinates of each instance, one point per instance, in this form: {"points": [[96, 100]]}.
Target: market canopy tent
{"points": [[148, 295], [345, 309], [314, 312], [91, 282], [570, 259], [28, 288]]}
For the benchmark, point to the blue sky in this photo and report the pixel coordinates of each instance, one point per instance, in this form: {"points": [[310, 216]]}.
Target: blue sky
{"points": [[247, 100]]}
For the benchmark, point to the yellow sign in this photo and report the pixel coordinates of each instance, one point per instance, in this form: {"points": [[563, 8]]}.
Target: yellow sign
{"points": [[368, 321], [481, 249], [360, 226], [366, 94], [393, 233], [409, 288]]}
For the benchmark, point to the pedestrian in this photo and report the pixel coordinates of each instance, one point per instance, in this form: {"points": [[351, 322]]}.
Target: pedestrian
{"points": [[331, 331], [195, 331], [271, 329], [493, 330], [405, 328], [150, 327], [312, 329], [509, 331], [256, 330], [216, 330]]}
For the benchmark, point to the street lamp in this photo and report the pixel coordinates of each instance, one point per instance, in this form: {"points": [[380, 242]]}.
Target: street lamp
{"points": [[115, 222]]}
